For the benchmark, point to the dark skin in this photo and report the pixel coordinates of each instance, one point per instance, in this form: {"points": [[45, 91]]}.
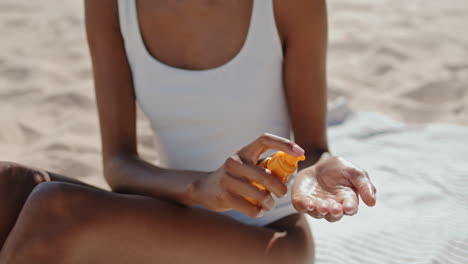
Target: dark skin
{"points": [[75, 223]]}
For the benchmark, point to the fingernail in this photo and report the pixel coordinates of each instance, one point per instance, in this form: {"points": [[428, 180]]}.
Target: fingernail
{"points": [[347, 205], [335, 214], [322, 211], [351, 211], [298, 150], [269, 203], [260, 214], [310, 205]]}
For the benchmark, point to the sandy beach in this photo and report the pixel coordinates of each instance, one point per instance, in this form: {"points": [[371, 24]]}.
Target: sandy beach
{"points": [[405, 59], [408, 60]]}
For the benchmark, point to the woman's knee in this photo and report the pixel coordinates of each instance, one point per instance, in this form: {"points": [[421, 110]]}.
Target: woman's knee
{"points": [[47, 198], [55, 203], [46, 225], [50, 204]]}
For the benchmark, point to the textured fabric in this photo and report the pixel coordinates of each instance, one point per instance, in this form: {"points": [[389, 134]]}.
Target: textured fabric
{"points": [[421, 176], [200, 117]]}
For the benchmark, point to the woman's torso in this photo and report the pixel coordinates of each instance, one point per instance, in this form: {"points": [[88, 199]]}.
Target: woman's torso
{"points": [[209, 77], [194, 34]]}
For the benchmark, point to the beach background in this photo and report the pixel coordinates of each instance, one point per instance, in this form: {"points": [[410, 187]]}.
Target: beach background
{"points": [[407, 60]]}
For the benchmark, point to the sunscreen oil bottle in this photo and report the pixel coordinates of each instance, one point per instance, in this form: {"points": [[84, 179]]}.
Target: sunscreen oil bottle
{"points": [[282, 165]]}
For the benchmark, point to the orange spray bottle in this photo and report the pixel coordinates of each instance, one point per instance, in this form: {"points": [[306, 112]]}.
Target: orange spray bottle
{"points": [[282, 165]]}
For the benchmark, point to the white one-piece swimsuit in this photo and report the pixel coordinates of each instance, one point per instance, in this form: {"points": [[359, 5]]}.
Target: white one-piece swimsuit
{"points": [[201, 117]]}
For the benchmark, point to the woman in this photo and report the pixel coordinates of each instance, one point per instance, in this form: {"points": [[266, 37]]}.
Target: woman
{"points": [[211, 76]]}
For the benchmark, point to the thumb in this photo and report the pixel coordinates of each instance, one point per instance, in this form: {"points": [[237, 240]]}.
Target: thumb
{"points": [[364, 187]]}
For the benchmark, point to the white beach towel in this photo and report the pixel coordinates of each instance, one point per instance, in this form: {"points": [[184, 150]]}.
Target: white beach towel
{"points": [[421, 175]]}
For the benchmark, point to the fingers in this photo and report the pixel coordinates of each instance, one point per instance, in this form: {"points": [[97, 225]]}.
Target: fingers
{"points": [[335, 211], [239, 203], [360, 180], [350, 207], [349, 200], [265, 142], [244, 188], [319, 208], [316, 214], [303, 203], [237, 168]]}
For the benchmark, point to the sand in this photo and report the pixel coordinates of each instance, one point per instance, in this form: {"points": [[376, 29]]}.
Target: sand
{"points": [[406, 59], [48, 115]]}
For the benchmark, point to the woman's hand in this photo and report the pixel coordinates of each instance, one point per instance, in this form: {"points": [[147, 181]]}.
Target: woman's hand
{"points": [[331, 188], [226, 188]]}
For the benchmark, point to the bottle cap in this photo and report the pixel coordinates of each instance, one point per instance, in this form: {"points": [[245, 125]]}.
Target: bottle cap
{"points": [[289, 162]]}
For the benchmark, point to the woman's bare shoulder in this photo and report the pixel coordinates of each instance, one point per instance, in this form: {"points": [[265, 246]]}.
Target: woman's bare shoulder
{"points": [[102, 20], [101, 10], [297, 15]]}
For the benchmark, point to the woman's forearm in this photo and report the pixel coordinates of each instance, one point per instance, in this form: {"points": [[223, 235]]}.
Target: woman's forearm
{"points": [[130, 174]]}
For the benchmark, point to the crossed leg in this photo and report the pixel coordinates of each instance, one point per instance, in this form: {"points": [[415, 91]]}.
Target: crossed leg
{"points": [[16, 183], [70, 223]]}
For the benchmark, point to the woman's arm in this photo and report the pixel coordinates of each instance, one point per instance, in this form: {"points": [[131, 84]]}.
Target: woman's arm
{"points": [[326, 186], [123, 169], [303, 27], [220, 190]]}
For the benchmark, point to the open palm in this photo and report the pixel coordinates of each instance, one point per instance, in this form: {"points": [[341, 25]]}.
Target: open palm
{"points": [[331, 188]]}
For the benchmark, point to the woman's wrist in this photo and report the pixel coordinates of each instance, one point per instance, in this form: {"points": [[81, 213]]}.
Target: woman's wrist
{"points": [[188, 195], [191, 195], [313, 155]]}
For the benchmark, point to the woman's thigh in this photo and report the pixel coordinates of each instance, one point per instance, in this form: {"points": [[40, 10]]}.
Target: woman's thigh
{"points": [[77, 224]]}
